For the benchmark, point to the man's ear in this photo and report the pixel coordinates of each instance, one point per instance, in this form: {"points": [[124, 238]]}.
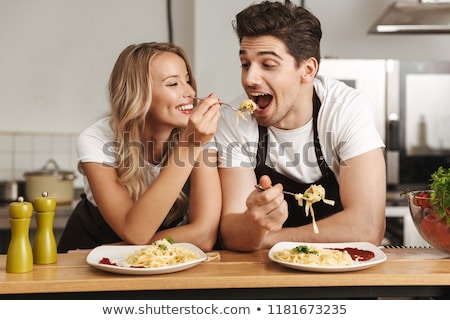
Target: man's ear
{"points": [[310, 67]]}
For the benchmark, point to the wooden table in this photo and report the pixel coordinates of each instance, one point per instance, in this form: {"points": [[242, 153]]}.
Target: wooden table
{"points": [[407, 272]]}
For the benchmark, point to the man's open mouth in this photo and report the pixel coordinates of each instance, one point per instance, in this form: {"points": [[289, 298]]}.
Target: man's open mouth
{"points": [[262, 99]]}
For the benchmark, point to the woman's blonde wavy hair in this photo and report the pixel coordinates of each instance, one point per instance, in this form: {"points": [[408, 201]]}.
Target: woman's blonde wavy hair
{"points": [[130, 93]]}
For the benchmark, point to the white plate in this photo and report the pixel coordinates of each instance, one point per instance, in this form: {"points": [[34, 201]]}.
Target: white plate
{"points": [[119, 254], [357, 265]]}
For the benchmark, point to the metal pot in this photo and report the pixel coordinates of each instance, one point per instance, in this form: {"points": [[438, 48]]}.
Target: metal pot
{"points": [[57, 183], [11, 190]]}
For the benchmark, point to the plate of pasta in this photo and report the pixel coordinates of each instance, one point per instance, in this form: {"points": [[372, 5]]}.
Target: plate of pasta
{"points": [[327, 257], [158, 258]]}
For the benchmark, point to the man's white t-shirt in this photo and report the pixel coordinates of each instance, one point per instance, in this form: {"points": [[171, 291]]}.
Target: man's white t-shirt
{"points": [[346, 129]]}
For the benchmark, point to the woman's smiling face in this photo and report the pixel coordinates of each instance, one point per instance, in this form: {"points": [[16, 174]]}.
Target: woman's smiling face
{"points": [[172, 92]]}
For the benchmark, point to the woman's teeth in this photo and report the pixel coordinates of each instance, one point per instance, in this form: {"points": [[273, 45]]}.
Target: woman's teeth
{"points": [[185, 107]]}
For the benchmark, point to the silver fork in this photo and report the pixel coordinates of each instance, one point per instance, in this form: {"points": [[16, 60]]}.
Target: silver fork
{"points": [[260, 187], [197, 100]]}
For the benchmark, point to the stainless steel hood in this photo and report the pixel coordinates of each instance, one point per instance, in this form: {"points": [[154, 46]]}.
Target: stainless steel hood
{"points": [[429, 17]]}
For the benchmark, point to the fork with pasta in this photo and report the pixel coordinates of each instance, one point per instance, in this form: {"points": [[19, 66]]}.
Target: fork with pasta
{"points": [[247, 106], [313, 194], [197, 101]]}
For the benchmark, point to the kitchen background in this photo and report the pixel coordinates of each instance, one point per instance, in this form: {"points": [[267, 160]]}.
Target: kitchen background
{"points": [[57, 55]]}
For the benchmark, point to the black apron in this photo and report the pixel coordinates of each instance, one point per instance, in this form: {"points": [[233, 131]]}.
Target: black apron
{"points": [[297, 216], [87, 229]]}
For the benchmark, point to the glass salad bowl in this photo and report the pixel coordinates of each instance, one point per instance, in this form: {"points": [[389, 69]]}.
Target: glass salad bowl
{"points": [[433, 228]]}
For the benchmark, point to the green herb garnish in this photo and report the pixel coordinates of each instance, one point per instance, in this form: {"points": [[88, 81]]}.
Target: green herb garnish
{"points": [[169, 239], [304, 249], [440, 197]]}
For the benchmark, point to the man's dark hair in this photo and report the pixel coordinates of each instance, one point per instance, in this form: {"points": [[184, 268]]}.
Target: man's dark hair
{"points": [[297, 27]]}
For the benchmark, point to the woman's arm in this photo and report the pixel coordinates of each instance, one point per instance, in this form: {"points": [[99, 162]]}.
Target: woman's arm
{"points": [[137, 222], [204, 206]]}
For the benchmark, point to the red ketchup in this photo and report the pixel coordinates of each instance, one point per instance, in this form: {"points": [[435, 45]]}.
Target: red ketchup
{"points": [[107, 261], [358, 254]]}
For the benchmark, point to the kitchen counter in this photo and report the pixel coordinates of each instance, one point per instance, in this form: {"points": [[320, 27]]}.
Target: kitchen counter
{"points": [[407, 272]]}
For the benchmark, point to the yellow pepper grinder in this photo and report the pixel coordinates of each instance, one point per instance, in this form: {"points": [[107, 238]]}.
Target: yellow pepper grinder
{"points": [[19, 258], [44, 246]]}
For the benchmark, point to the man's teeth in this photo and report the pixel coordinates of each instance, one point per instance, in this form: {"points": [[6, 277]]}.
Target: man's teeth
{"points": [[186, 107], [255, 97]]}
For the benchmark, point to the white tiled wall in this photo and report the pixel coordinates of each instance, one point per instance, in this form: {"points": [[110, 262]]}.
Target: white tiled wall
{"points": [[23, 152]]}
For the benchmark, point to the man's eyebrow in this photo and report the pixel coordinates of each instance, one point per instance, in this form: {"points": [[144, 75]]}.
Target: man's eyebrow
{"points": [[263, 53]]}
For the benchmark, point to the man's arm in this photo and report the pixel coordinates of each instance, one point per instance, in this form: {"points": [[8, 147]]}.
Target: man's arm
{"points": [[363, 195], [248, 214]]}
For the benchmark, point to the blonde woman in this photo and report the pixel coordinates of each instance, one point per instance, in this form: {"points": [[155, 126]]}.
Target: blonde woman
{"points": [[149, 168]]}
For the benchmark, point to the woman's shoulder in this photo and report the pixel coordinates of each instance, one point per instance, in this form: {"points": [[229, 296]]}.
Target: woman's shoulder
{"points": [[96, 143], [99, 130]]}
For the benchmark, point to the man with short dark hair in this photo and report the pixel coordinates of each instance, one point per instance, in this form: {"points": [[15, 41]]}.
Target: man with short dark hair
{"points": [[307, 130]]}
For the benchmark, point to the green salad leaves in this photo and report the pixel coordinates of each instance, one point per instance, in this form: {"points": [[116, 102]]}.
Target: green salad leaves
{"points": [[440, 198]]}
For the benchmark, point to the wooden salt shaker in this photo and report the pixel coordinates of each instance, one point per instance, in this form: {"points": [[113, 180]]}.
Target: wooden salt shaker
{"points": [[19, 258], [44, 246]]}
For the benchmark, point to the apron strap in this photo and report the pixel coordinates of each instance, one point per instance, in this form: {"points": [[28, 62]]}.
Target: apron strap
{"points": [[319, 155]]}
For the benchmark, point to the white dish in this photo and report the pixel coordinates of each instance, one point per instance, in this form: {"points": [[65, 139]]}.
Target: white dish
{"points": [[357, 265], [119, 254]]}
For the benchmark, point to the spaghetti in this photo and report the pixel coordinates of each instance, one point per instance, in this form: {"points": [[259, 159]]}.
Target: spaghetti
{"points": [[313, 194], [247, 106], [314, 256], [160, 254]]}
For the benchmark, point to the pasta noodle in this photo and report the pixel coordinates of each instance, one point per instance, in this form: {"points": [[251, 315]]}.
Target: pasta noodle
{"points": [[314, 256], [247, 106], [161, 253], [313, 194]]}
